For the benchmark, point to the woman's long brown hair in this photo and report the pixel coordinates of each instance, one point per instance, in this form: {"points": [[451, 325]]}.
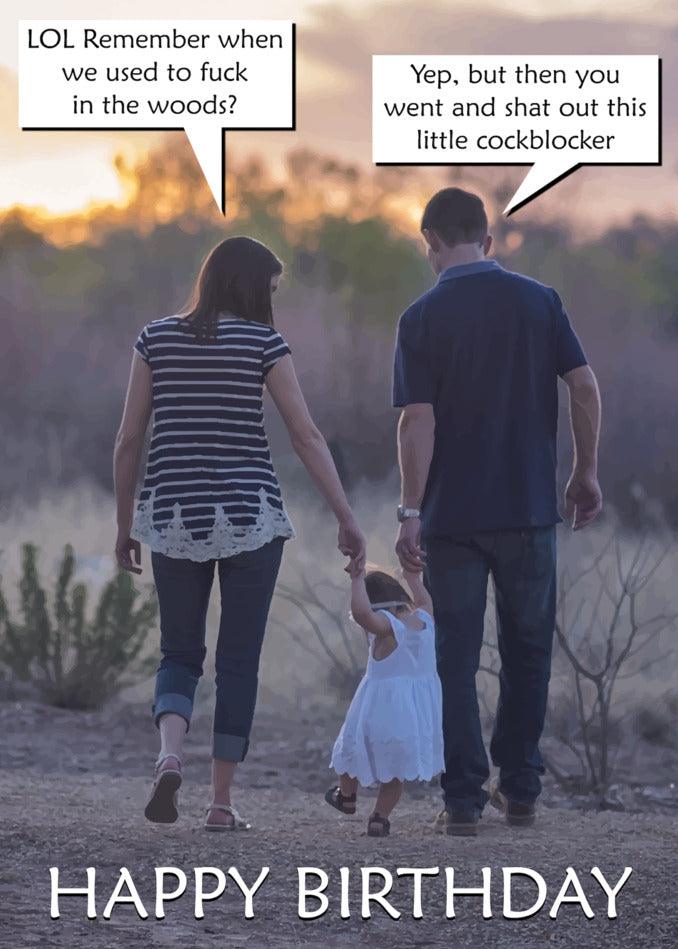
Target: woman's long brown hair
{"points": [[235, 279]]}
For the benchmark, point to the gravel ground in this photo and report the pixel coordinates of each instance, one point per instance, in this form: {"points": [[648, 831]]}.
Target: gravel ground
{"points": [[73, 787]]}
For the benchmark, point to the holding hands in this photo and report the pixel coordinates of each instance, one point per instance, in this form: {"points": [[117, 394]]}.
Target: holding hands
{"points": [[408, 546], [351, 542]]}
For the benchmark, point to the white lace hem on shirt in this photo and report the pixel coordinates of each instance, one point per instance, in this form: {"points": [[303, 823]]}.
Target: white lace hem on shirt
{"points": [[224, 540]]}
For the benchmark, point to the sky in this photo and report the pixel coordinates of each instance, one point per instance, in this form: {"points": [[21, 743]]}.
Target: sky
{"points": [[64, 171]]}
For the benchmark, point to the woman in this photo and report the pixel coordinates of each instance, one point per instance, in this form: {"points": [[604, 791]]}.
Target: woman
{"points": [[211, 498]]}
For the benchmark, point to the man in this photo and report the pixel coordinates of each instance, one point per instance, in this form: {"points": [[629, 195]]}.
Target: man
{"points": [[477, 362]]}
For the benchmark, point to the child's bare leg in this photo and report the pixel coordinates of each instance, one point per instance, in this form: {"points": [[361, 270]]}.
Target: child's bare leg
{"points": [[343, 797], [348, 785], [389, 795]]}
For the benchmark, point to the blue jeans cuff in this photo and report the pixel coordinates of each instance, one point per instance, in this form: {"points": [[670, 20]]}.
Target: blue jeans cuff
{"points": [[229, 747], [173, 702], [470, 805]]}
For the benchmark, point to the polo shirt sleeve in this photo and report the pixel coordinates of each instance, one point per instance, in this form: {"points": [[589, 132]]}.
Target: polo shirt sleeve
{"points": [[569, 352], [413, 376]]}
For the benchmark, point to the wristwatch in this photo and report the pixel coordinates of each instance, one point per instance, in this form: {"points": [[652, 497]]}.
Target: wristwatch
{"points": [[405, 513]]}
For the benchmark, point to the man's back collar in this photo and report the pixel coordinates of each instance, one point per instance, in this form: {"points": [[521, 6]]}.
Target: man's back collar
{"points": [[465, 270]]}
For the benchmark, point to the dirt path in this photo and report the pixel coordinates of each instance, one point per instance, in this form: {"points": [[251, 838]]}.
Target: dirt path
{"points": [[78, 804]]}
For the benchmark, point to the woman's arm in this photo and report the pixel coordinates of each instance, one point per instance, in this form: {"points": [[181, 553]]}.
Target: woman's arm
{"points": [[129, 444], [313, 452], [362, 612], [420, 594]]}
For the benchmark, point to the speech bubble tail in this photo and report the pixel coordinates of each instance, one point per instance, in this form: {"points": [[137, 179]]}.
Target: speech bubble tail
{"points": [[209, 145], [541, 176]]}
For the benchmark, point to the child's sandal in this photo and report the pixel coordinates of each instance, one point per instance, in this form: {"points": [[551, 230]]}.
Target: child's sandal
{"points": [[341, 802], [378, 826]]}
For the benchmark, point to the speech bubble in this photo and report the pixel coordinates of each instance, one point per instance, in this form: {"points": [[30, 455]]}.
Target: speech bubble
{"points": [[201, 76], [556, 113]]}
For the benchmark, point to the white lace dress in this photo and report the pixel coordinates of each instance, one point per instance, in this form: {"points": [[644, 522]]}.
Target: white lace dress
{"points": [[393, 728]]}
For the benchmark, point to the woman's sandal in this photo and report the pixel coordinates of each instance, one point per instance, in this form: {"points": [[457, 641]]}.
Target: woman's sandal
{"points": [[162, 806], [340, 802], [378, 826], [237, 823]]}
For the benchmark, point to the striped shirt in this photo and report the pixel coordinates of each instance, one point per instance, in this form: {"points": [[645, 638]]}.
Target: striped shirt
{"points": [[210, 489]]}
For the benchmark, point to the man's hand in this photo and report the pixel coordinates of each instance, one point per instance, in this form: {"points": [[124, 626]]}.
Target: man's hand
{"points": [[408, 548], [351, 542], [583, 499]]}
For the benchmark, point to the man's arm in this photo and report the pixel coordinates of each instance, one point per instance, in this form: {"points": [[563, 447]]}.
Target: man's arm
{"points": [[583, 497], [416, 431]]}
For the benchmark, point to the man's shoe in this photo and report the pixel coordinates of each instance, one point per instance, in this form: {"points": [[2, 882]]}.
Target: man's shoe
{"points": [[517, 814], [457, 823]]}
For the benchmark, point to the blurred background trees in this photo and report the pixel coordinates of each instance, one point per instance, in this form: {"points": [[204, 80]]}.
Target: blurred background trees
{"points": [[75, 291]]}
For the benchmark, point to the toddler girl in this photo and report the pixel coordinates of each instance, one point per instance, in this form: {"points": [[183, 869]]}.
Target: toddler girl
{"points": [[393, 728]]}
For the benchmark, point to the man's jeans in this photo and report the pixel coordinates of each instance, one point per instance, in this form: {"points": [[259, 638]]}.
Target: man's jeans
{"points": [[523, 567], [247, 581]]}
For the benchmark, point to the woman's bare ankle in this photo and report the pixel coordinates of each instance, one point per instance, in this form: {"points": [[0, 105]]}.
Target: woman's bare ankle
{"points": [[223, 773], [221, 797], [172, 755]]}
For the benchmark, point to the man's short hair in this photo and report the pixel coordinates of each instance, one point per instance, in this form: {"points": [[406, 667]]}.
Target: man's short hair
{"points": [[456, 216]]}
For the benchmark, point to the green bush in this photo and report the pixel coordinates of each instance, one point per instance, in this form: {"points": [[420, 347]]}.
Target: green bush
{"points": [[75, 662]]}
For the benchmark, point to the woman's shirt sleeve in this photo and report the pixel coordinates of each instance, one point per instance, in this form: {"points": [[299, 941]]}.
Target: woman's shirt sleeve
{"points": [[275, 348], [141, 346]]}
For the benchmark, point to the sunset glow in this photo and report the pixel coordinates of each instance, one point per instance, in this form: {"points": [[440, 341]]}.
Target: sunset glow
{"points": [[72, 175]]}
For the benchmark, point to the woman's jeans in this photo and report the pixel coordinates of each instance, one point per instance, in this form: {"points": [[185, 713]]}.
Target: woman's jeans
{"points": [[247, 581], [523, 566]]}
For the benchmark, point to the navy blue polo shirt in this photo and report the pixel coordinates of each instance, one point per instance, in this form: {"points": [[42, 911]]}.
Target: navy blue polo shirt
{"points": [[485, 347]]}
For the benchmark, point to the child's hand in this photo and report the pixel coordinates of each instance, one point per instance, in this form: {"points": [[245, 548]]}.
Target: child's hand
{"points": [[355, 571]]}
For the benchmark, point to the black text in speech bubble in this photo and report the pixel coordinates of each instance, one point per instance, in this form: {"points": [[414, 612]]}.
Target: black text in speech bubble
{"points": [[202, 76], [555, 113]]}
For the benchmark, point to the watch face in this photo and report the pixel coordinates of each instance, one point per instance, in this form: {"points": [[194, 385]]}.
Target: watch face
{"points": [[404, 513]]}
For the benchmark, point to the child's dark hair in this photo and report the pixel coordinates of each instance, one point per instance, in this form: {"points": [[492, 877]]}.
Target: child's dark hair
{"points": [[383, 588]]}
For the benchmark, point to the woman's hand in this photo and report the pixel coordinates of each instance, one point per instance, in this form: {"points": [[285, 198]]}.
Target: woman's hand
{"points": [[125, 547], [351, 542]]}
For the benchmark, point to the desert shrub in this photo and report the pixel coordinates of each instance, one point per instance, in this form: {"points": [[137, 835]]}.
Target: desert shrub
{"points": [[73, 661], [612, 629], [655, 722]]}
